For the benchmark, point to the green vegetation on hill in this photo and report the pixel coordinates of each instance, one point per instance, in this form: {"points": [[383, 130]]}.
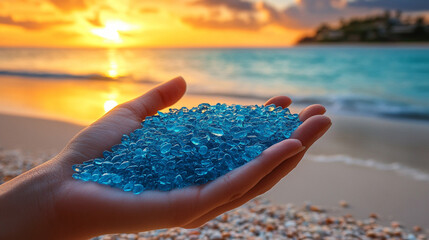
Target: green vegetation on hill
{"points": [[385, 27]]}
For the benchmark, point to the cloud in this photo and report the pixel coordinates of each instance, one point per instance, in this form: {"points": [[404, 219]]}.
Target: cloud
{"points": [[236, 23], [303, 14], [95, 21], [404, 5], [238, 5], [243, 15], [149, 10], [69, 5], [30, 25], [310, 13]]}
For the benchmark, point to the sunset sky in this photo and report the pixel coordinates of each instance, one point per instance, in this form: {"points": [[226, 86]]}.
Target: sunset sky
{"points": [[169, 23]]}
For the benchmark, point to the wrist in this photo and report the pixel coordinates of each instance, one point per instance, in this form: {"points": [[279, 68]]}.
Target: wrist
{"points": [[26, 204]]}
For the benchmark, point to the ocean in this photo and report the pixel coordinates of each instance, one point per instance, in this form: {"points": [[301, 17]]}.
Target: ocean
{"points": [[390, 82]]}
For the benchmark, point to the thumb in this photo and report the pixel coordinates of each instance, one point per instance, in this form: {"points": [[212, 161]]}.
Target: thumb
{"points": [[123, 119]]}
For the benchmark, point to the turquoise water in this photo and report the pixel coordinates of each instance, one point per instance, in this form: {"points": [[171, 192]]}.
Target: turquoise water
{"points": [[380, 81]]}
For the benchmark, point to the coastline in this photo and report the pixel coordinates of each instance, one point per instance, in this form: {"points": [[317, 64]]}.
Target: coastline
{"points": [[368, 190]]}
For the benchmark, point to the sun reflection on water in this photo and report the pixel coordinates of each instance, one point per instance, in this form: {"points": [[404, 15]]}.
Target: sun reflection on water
{"points": [[113, 70]]}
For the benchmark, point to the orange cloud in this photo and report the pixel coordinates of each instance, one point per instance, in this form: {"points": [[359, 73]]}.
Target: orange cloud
{"points": [[95, 21], [149, 10], [30, 25], [69, 5]]}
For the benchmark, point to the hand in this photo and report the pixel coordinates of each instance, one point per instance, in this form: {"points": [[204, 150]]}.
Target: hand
{"points": [[46, 202]]}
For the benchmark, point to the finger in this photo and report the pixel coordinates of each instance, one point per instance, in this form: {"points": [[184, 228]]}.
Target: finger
{"points": [[279, 101], [310, 111], [308, 133], [315, 127], [123, 119], [237, 182], [148, 104]]}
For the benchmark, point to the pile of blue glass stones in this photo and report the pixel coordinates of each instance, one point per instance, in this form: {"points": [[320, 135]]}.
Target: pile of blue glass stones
{"points": [[185, 147]]}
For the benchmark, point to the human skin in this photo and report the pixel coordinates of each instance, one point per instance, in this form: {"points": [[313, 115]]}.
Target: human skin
{"points": [[47, 203]]}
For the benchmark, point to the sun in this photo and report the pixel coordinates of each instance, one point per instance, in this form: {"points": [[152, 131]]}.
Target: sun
{"points": [[109, 105], [111, 30]]}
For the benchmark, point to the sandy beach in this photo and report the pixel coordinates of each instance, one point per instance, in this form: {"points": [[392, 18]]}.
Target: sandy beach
{"points": [[393, 194]]}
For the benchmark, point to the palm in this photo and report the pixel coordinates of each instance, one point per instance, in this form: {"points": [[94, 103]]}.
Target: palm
{"points": [[96, 209]]}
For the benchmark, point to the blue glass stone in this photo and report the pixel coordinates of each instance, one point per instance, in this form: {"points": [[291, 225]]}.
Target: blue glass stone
{"points": [[98, 161], [105, 178], [178, 181], [163, 180], [124, 165], [201, 171], [203, 150], [206, 162], [187, 149], [138, 152], [85, 176], [228, 161], [240, 135], [128, 187], [77, 168], [216, 131], [184, 147], [95, 177], [165, 148], [116, 178], [195, 141], [138, 188]]}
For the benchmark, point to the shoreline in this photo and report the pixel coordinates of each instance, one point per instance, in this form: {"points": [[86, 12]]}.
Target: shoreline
{"points": [[221, 47]]}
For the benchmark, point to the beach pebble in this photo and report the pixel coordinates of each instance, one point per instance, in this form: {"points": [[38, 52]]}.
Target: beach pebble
{"points": [[344, 204], [395, 224], [417, 229], [215, 235]]}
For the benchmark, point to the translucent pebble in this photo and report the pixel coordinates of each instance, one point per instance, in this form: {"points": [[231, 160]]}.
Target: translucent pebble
{"points": [[178, 180], [104, 179], [116, 178], [228, 161], [138, 188], [184, 147], [216, 131], [124, 165], [77, 168], [201, 171], [128, 187], [85, 176], [239, 135], [165, 148], [187, 149], [195, 141], [163, 180], [203, 150]]}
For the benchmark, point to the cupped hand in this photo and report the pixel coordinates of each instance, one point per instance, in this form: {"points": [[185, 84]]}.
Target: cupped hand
{"points": [[69, 208]]}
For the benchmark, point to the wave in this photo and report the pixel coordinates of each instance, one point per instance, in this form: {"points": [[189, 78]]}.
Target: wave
{"points": [[369, 163], [69, 76], [345, 104], [361, 105], [367, 106]]}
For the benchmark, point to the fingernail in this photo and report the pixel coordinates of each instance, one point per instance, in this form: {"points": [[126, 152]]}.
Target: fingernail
{"points": [[301, 149]]}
